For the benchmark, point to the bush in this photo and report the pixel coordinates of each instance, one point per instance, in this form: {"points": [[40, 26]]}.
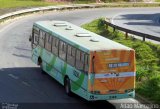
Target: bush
{"points": [[151, 89]]}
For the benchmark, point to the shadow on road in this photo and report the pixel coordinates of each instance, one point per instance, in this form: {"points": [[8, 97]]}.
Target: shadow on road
{"points": [[24, 49], [141, 19], [31, 89], [22, 56]]}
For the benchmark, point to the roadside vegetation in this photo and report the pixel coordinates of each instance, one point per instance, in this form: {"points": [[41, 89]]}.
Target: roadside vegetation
{"points": [[147, 59], [7, 6], [102, 1], [25, 3], [4, 4]]}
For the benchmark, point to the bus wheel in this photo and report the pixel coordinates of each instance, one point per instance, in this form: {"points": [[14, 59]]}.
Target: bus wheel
{"points": [[42, 71], [41, 67], [67, 86]]}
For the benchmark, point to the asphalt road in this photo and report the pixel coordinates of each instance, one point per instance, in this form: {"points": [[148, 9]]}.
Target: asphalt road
{"points": [[141, 21], [21, 80]]}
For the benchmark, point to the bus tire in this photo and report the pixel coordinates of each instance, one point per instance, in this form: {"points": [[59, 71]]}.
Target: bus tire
{"points": [[40, 64], [42, 71], [67, 86]]}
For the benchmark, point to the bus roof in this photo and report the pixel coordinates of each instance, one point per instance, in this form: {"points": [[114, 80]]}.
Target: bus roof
{"points": [[78, 36]]}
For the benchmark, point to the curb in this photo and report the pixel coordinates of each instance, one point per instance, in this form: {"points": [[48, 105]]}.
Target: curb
{"points": [[73, 6], [43, 9], [143, 100]]}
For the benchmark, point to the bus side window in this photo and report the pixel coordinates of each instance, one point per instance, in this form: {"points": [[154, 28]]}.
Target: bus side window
{"points": [[35, 35], [86, 63], [42, 38], [48, 42], [83, 57], [62, 50], [71, 55], [79, 62], [55, 42]]}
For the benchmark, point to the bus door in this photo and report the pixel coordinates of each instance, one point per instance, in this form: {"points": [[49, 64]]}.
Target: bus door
{"points": [[112, 72]]}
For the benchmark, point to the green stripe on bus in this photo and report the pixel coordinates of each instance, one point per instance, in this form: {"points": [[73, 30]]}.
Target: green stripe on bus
{"points": [[79, 81], [41, 52], [51, 64], [64, 69]]}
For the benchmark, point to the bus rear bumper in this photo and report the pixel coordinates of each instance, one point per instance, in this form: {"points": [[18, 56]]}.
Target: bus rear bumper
{"points": [[95, 97]]}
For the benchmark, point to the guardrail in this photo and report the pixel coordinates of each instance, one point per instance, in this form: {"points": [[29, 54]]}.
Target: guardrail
{"points": [[48, 8], [39, 9], [128, 31]]}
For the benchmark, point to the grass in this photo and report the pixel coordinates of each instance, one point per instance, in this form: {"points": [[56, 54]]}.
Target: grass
{"points": [[83, 1], [4, 4], [147, 59], [24, 3]]}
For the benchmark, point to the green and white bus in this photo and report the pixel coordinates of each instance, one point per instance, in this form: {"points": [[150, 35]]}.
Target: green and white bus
{"points": [[85, 63]]}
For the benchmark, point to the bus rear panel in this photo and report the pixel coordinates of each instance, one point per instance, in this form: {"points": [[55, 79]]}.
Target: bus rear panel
{"points": [[112, 74]]}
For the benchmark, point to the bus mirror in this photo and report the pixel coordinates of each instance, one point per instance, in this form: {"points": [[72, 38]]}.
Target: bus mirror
{"points": [[30, 38]]}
